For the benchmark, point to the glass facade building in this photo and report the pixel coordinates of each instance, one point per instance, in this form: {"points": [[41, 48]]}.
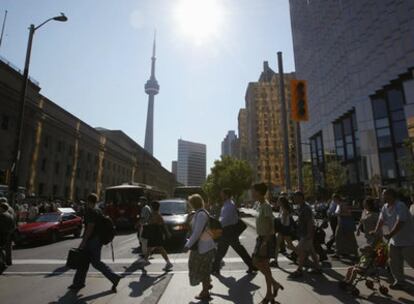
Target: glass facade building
{"points": [[358, 61]]}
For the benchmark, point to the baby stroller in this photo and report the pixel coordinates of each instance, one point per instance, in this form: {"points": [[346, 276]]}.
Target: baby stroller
{"points": [[373, 261]]}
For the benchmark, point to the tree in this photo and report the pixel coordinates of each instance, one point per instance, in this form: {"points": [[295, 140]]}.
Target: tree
{"points": [[230, 173], [308, 180], [335, 176]]}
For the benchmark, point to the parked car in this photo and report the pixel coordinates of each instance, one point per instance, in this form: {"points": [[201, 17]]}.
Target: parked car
{"points": [[49, 227], [175, 214]]}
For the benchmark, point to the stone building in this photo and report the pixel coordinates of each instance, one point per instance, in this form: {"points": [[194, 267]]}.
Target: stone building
{"points": [[264, 128], [62, 156]]}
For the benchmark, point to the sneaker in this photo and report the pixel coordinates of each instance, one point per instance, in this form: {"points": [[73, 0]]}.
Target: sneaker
{"points": [[168, 266]]}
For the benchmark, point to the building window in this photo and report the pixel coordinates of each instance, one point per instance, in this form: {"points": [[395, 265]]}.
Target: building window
{"points": [[5, 122], [55, 190], [57, 167], [41, 189], [68, 170], [60, 146], [46, 142], [44, 165], [347, 145], [317, 158], [391, 130]]}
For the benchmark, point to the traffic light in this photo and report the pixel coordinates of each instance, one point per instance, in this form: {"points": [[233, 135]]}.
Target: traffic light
{"points": [[299, 103]]}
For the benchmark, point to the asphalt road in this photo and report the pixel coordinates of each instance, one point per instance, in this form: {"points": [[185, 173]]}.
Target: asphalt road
{"points": [[39, 276]]}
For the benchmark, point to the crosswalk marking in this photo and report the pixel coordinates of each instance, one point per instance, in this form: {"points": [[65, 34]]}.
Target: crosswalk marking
{"points": [[124, 261]]}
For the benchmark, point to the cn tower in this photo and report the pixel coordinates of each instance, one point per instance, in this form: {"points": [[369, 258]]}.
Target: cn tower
{"points": [[151, 88]]}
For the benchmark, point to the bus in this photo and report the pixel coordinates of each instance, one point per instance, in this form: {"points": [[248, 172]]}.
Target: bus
{"points": [[122, 203], [185, 191]]}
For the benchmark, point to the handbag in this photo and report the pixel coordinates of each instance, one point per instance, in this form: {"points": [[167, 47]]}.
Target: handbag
{"points": [[76, 259]]}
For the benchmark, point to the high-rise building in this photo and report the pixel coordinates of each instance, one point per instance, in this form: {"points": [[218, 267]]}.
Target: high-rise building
{"points": [[174, 165], [151, 88], [191, 164], [243, 140], [230, 145], [357, 57], [264, 128]]}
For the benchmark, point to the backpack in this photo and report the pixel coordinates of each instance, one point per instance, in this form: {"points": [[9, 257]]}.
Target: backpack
{"points": [[214, 227], [107, 230]]}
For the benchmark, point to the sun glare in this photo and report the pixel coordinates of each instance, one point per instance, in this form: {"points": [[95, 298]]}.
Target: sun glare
{"points": [[200, 20]]}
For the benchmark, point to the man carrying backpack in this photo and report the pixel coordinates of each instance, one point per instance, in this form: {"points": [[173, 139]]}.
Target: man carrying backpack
{"points": [[92, 242]]}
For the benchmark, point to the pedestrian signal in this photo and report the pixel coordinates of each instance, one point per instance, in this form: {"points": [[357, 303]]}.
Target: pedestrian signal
{"points": [[299, 103]]}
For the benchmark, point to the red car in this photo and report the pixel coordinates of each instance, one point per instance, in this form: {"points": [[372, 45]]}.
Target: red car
{"points": [[49, 227]]}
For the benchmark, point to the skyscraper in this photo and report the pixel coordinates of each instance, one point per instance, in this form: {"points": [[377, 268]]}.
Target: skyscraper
{"points": [[151, 88], [243, 140], [191, 167], [264, 131], [230, 145]]}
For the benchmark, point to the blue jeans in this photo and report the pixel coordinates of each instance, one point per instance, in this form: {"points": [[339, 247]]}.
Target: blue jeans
{"points": [[93, 251]]}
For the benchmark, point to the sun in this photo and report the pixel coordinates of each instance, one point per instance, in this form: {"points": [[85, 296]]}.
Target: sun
{"points": [[199, 20]]}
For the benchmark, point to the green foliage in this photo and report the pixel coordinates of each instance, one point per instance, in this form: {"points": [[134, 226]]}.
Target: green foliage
{"points": [[228, 173], [335, 176], [308, 181]]}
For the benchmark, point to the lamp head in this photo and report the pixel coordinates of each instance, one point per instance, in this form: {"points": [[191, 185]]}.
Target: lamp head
{"points": [[61, 18]]}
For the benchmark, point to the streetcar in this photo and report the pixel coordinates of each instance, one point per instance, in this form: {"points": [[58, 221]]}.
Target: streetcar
{"points": [[123, 205]]}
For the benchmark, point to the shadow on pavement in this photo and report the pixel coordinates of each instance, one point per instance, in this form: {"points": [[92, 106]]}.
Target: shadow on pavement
{"points": [[240, 291], [145, 282], [57, 272], [71, 297], [323, 286]]}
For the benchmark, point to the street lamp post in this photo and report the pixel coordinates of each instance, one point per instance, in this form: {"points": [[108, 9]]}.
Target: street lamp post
{"points": [[14, 182]]}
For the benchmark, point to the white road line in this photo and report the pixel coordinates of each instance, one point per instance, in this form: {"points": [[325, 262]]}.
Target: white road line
{"points": [[122, 261]]}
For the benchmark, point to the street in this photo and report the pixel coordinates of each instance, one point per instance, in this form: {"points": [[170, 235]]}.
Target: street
{"points": [[39, 276]]}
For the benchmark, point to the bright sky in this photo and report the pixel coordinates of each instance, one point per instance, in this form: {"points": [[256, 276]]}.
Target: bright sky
{"points": [[96, 64]]}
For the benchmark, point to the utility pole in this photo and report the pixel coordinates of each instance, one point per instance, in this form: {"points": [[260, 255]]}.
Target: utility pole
{"points": [[284, 121], [299, 157], [3, 26]]}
